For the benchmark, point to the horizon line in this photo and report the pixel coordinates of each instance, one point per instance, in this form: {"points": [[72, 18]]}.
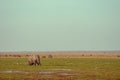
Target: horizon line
{"points": [[60, 51]]}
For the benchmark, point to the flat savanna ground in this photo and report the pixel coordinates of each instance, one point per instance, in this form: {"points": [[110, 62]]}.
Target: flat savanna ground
{"points": [[61, 67]]}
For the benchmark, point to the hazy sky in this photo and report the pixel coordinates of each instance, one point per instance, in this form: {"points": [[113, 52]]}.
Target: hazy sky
{"points": [[59, 25]]}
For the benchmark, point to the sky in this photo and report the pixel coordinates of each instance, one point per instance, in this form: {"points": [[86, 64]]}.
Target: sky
{"points": [[59, 25]]}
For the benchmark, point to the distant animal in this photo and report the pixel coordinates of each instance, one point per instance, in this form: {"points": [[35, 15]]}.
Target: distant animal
{"points": [[50, 56], [34, 60]]}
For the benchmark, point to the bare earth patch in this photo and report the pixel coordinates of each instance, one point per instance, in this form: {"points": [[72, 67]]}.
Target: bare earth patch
{"points": [[60, 72]]}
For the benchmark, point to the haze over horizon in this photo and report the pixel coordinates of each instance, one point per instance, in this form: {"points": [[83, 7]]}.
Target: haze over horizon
{"points": [[59, 25]]}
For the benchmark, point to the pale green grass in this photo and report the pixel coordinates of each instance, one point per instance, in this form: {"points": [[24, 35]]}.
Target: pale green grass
{"points": [[86, 68]]}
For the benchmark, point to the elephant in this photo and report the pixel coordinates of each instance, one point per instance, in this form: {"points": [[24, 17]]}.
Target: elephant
{"points": [[34, 60]]}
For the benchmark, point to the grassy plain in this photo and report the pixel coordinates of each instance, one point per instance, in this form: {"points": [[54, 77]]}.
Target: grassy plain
{"points": [[61, 69]]}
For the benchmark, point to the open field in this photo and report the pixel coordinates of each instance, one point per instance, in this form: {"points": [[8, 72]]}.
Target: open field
{"points": [[82, 54], [61, 67]]}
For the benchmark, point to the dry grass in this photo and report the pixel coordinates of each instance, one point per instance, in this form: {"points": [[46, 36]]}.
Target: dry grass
{"points": [[61, 54]]}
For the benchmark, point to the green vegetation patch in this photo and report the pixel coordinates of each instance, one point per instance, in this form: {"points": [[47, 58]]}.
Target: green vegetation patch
{"points": [[60, 69]]}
